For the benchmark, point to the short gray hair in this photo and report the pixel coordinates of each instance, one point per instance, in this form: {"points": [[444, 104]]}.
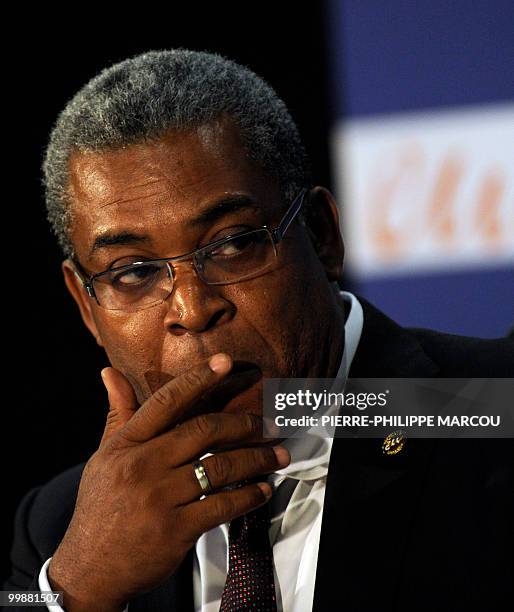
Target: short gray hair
{"points": [[144, 96]]}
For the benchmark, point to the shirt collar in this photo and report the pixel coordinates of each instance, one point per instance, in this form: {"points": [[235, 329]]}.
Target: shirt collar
{"points": [[310, 454]]}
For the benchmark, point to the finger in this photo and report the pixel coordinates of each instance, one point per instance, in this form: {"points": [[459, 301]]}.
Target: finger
{"points": [[174, 398], [122, 401], [219, 508], [205, 433], [229, 468]]}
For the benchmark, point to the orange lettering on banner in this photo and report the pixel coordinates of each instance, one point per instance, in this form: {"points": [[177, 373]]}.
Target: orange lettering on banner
{"points": [[487, 216], [405, 216], [388, 220], [441, 205]]}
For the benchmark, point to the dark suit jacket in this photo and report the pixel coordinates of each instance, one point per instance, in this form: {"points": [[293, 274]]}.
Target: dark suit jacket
{"points": [[427, 529]]}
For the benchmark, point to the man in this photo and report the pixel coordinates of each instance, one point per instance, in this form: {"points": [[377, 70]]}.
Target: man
{"points": [[203, 260]]}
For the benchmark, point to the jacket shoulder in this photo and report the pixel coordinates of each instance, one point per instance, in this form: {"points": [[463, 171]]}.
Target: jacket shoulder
{"points": [[41, 520], [465, 356], [386, 349], [52, 508]]}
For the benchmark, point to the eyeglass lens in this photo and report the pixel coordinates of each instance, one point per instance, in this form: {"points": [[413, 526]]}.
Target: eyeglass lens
{"points": [[143, 284]]}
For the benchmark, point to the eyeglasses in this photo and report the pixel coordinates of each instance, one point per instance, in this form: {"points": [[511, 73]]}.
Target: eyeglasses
{"points": [[142, 284]]}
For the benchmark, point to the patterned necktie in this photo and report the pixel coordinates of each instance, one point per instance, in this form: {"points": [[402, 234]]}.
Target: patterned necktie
{"points": [[250, 584]]}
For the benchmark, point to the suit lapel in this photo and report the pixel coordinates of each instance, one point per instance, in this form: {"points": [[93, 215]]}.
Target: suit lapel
{"points": [[388, 350], [371, 498]]}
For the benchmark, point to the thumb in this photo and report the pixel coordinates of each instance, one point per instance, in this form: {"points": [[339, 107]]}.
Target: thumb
{"points": [[122, 401]]}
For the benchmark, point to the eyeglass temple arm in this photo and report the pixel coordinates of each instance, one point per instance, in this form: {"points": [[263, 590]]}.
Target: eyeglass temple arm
{"points": [[81, 274], [288, 218]]}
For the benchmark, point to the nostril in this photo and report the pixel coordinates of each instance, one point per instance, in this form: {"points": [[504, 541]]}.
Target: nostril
{"points": [[214, 319], [177, 329]]}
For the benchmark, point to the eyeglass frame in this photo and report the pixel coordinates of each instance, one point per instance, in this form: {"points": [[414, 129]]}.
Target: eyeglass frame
{"points": [[276, 234]]}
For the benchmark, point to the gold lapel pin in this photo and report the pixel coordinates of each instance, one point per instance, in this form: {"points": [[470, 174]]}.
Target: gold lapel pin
{"points": [[393, 443]]}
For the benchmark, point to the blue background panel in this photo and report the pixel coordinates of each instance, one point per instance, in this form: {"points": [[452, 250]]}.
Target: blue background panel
{"points": [[398, 55], [478, 303]]}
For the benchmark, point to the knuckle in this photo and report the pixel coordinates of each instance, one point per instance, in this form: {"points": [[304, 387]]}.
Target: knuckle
{"points": [[225, 506], [221, 469], [162, 397], [93, 466], [266, 457], [132, 469], [94, 460], [101, 462], [112, 418], [193, 378], [207, 425], [151, 502], [127, 437], [254, 424]]}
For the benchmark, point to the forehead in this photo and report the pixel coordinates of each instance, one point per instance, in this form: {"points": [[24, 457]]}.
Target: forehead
{"points": [[162, 182]]}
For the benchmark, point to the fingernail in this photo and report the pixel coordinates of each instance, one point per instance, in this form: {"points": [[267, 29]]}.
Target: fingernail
{"points": [[282, 455], [220, 363], [265, 488]]}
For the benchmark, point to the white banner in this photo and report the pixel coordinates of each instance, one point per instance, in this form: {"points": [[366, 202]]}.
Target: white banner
{"points": [[427, 191]]}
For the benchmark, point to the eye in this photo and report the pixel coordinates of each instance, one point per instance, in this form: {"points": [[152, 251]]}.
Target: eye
{"points": [[136, 276], [235, 246]]}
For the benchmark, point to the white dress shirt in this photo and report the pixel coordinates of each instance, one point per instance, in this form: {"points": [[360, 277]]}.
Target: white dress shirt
{"points": [[296, 513]]}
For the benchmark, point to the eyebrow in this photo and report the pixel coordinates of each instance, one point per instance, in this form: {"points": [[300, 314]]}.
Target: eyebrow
{"points": [[223, 207], [218, 210]]}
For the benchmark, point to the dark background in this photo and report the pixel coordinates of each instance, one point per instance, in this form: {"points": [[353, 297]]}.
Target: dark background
{"points": [[54, 401]]}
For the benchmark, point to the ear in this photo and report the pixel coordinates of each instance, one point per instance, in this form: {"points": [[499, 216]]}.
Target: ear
{"points": [[322, 223], [80, 295]]}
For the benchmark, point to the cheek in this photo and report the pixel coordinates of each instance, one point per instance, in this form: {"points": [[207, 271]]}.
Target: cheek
{"points": [[277, 308], [131, 342]]}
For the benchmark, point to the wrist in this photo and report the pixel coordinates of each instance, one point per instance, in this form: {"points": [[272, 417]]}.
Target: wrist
{"points": [[80, 595]]}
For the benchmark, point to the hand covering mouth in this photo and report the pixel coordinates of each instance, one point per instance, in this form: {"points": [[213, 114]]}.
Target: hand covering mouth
{"points": [[243, 375]]}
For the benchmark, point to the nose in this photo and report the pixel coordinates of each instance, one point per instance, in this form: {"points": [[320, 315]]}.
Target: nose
{"points": [[193, 306]]}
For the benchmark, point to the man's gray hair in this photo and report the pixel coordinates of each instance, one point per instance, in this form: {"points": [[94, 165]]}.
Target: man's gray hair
{"points": [[143, 97]]}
